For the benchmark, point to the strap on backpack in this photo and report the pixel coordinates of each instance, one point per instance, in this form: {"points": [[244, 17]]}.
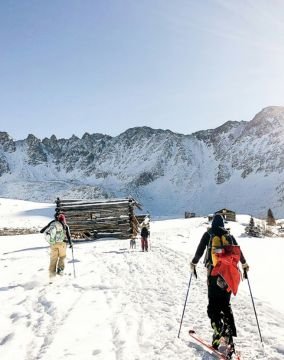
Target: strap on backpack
{"points": [[207, 258]]}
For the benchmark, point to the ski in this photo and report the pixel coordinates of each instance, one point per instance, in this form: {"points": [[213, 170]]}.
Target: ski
{"points": [[210, 348]]}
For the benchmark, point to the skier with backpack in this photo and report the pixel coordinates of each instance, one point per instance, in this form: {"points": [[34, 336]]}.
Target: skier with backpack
{"points": [[57, 234], [221, 260]]}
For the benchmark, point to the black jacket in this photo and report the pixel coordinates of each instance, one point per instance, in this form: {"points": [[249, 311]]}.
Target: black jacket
{"points": [[65, 227], [144, 232]]}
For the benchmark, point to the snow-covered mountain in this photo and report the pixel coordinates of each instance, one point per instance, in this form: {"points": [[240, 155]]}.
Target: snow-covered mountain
{"points": [[239, 165]]}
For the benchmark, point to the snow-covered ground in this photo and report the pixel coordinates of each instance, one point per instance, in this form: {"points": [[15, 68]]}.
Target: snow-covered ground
{"points": [[125, 304]]}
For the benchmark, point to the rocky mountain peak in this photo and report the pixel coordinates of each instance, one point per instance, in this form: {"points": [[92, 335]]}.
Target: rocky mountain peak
{"points": [[6, 142], [159, 167], [35, 151], [268, 120]]}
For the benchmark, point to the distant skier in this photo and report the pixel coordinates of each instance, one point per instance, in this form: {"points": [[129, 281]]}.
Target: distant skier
{"points": [[144, 238], [145, 233], [221, 260], [57, 234]]}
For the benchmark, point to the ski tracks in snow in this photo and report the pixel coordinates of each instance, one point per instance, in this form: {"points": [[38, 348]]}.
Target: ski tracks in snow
{"points": [[123, 305]]}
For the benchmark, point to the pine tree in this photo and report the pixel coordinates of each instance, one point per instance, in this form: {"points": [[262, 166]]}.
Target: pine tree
{"points": [[270, 218], [251, 229], [251, 223]]}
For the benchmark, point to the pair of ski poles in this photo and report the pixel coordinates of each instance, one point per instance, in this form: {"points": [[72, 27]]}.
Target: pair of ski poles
{"points": [[246, 277]]}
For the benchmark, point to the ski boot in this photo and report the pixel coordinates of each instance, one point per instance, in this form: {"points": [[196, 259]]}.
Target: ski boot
{"points": [[60, 271], [216, 335], [226, 345]]}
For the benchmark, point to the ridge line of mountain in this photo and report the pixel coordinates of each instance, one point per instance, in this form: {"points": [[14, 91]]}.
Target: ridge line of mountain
{"points": [[238, 164]]}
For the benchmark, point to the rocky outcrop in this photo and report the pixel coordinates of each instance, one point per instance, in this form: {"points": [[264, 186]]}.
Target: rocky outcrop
{"points": [[6, 142], [35, 151]]}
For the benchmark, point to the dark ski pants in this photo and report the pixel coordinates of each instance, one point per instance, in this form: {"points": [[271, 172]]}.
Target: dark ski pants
{"points": [[219, 308], [144, 243]]}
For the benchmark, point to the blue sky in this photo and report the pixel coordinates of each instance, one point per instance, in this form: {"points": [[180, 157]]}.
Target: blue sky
{"points": [[103, 66]]}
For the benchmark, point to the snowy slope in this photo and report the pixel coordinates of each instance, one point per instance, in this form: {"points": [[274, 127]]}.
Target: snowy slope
{"points": [[125, 304]]}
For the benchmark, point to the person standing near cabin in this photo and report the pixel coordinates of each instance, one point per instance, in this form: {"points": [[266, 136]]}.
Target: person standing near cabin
{"points": [[61, 231], [144, 238], [145, 225], [223, 279]]}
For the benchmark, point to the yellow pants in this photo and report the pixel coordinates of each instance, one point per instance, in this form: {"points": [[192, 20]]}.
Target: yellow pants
{"points": [[57, 257]]}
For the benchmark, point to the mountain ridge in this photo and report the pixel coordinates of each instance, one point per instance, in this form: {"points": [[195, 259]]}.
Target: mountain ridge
{"points": [[238, 165]]}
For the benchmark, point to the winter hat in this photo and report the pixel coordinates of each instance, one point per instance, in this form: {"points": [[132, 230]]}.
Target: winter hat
{"points": [[217, 223], [61, 218]]}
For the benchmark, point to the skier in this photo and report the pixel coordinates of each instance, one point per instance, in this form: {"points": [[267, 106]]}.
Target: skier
{"points": [[145, 233], [58, 248], [144, 238], [223, 279]]}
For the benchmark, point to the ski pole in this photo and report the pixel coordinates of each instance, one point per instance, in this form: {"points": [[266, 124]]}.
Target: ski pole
{"points": [[246, 276], [185, 303], [73, 263]]}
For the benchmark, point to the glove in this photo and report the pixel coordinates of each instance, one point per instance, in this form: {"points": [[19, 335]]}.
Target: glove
{"points": [[193, 269], [245, 270]]}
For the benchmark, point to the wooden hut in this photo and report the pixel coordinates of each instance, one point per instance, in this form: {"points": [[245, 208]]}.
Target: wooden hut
{"points": [[95, 219], [188, 214], [227, 214]]}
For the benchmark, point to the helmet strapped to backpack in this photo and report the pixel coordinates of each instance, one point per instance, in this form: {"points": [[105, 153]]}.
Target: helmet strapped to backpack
{"points": [[55, 233]]}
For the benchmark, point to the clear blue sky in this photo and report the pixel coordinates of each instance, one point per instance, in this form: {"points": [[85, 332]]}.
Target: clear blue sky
{"points": [[103, 66]]}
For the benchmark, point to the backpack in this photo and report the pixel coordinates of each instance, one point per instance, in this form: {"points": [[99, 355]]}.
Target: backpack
{"points": [[144, 232], [54, 233], [216, 245], [222, 261]]}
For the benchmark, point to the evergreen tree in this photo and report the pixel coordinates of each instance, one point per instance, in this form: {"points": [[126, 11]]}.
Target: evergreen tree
{"points": [[251, 223], [251, 229], [270, 218]]}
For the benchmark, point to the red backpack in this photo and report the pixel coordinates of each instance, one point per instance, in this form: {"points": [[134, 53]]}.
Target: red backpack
{"points": [[227, 266]]}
